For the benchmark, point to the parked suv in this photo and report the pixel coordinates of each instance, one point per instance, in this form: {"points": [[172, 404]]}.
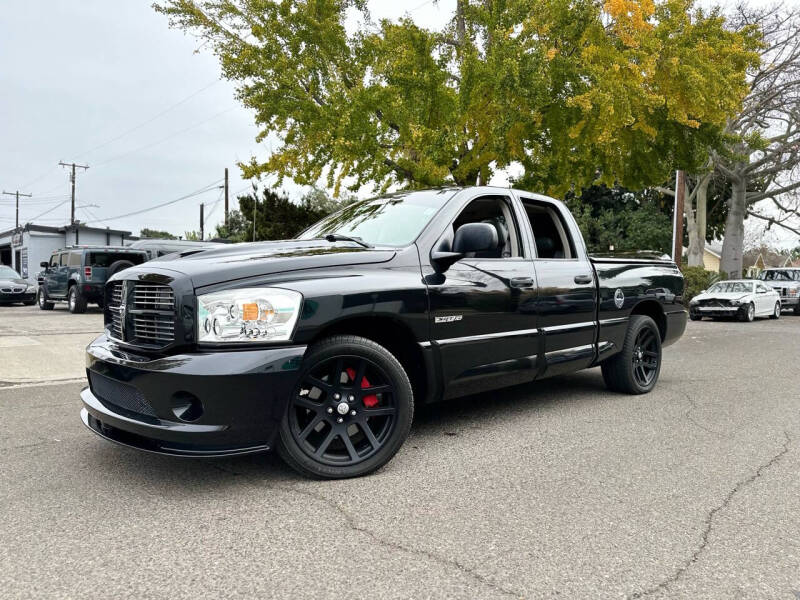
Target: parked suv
{"points": [[78, 274], [785, 281]]}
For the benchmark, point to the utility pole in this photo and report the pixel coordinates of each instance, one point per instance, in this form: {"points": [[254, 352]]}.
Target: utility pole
{"points": [[17, 194], [677, 224], [72, 180], [226, 196], [202, 224], [255, 209]]}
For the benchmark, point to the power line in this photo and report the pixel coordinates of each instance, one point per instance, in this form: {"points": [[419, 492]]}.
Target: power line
{"points": [[150, 120], [202, 190], [49, 210], [17, 194], [172, 135]]}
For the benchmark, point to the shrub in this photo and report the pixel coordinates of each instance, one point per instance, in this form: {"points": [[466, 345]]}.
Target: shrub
{"points": [[696, 279]]}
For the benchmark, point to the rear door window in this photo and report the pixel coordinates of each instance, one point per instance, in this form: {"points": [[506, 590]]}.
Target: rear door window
{"points": [[63, 259], [74, 259], [106, 259], [550, 233]]}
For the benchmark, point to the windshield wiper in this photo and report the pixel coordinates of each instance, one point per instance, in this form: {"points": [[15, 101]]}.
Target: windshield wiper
{"points": [[338, 237]]}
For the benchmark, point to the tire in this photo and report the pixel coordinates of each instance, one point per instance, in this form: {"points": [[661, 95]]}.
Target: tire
{"points": [[333, 429], [627, 371], [695, 317], [76, 301], [41, 300], [776, 314], [797, 308], [747, 313], [119, 265]]}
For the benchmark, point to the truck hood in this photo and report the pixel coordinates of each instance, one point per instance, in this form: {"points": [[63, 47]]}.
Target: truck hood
{"points": [[241, 261]]}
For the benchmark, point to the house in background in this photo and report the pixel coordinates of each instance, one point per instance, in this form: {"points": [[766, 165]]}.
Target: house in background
{"points": [[712, 255]]}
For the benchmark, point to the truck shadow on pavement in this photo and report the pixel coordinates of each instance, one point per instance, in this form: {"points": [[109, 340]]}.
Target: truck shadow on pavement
{"points": [[498, 409]]}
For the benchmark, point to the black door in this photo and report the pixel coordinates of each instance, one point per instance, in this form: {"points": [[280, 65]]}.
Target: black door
{"points": [[482, 307], [567, 300]]}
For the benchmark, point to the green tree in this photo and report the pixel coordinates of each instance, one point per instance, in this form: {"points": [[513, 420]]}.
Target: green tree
{"points": [[146, 232], [192, 236], [619, 218], [276, 216], [577, 91]]}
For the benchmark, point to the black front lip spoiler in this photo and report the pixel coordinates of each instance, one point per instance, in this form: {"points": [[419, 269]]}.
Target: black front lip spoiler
{"points": [[147, 444]]}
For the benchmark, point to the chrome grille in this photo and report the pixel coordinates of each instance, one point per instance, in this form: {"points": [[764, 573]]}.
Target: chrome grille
{"points": [[153, 297], [114, 301], [141, 313], [152, 311], [153, 329]]}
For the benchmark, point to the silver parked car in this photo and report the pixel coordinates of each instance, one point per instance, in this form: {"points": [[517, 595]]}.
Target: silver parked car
{"points": [[787, 283], [742, 298]]}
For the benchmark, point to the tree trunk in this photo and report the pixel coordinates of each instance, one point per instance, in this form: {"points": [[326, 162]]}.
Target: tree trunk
{"points": [[696, 224], [733, 246]]}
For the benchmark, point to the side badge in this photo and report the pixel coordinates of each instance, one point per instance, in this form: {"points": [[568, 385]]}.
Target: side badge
{"points": [[619, 298], [448, 319]]}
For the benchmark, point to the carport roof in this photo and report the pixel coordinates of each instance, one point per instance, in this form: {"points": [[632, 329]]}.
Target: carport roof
{"points": [[64, 229]]}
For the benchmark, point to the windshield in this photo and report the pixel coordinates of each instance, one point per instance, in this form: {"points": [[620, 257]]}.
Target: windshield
{"points": [[8, 272], [786, 275], [394, 220], [732, 287]]}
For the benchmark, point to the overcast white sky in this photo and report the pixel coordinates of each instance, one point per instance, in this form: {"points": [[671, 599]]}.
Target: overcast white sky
{"points": [[76, 76]]}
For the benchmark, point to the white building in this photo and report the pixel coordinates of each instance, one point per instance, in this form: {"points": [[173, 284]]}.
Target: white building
{"points": [[24, 248]]}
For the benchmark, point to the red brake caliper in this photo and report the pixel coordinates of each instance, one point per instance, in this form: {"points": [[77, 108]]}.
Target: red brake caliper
{"points": [[369, 401]]}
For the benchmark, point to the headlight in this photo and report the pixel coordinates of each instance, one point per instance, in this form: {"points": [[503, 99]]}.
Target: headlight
{"points": [[793, 291], [736, 302], [247, 315], [30, 289]]}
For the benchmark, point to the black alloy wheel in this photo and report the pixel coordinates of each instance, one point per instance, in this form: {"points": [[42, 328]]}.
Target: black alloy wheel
{"points": [[646, 355], [350, 412], [635, 369]]}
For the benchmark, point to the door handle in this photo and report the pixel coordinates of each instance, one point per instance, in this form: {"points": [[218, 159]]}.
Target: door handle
{"points": [[521, 282], [583, 279]]}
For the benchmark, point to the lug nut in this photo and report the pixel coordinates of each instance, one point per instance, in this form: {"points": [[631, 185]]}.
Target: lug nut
{"points": [[352, 398], [352, 413], [330, 410], [336, 396], [340, 420]]}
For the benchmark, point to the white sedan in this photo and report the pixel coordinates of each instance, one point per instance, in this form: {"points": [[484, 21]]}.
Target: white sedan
{"points": [[742, 298]]}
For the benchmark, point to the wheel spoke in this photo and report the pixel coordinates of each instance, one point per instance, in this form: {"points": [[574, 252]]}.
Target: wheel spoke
{"points": [[304, 402], [311, 426], [326, 442], [337, 373], [381, 411], [370, 436], [317, 382], [348, 443], [375, 389], [362, 368]]}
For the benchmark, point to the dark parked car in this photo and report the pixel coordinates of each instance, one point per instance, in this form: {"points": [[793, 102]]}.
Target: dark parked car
{"points": [[322, 346], [14, 288], [77, 275]]}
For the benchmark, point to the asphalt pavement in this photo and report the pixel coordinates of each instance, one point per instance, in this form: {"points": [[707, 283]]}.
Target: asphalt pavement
{"points": [[557, 489]]}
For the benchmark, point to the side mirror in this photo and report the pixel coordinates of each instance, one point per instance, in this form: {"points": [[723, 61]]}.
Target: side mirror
{"points": [[470, 237], [44, 264], [475, 237]]}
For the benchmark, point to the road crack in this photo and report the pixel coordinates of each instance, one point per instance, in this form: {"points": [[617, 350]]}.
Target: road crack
{"points": [[353, 525], [688, 416], [709, 523]]}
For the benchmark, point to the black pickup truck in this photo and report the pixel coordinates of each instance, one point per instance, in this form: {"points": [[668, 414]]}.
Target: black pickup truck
{"points": [[321, 346]]}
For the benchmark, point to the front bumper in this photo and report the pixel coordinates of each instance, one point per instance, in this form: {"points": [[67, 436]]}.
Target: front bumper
{"points": [[198, 404], [9, 298], [789, 301]]}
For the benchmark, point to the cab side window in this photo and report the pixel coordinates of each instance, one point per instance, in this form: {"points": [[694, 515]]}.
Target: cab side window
{"points": [[497, 212], [550, 233], [54, 260], [63, 259]]}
